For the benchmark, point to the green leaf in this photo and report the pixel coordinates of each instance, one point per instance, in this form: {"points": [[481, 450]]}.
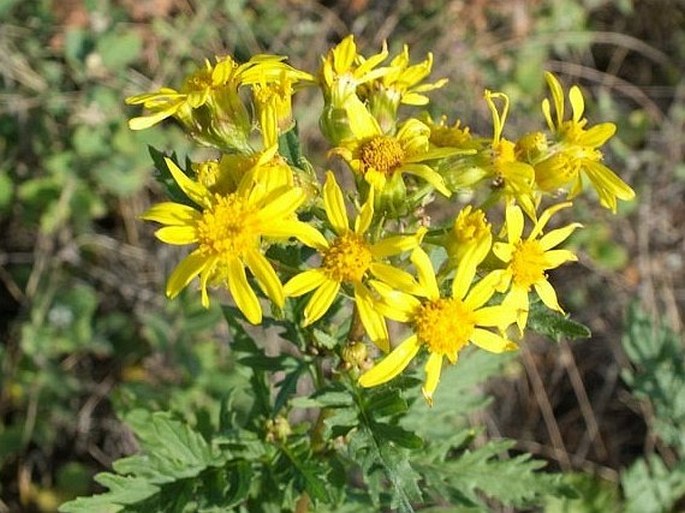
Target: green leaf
{"points": [[553, 324], [289, 147], [659, 374], [651, 487], [398, 435], [482, 472], [123, 490]]}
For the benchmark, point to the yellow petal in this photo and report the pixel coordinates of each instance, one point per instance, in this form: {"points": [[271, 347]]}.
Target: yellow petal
{"points": [[605, 180], [482, 291], [282, 206], [266, 276], [396, 278], [373, 322], [204, 279], [514, 218], [177, 235], [466, 271], [394, 304], [517, 298], [503, 251], [432, 368], [577, 103], [545, 217], [556, 237], [321, 301], [394, 245], [499, 316], [304, 282], [392, 364], [491, 341], [170, 213], [304, 232], [556, 257], [557, 96], [242, 293], [430, 176], [598, 135], [143, 122], [549, 297], [365, 216], [194, 190], [185, 271], [426, 273], [335, 205]]}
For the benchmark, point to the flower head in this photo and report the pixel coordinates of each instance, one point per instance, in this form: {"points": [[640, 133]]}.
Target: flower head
{"points": [[230, 232], [528, 259], [208, 103], [382, 159], [470, 231], [576, 152], [350, 259], [441, 325], [402, 84], [511, 177], [342, 71]]}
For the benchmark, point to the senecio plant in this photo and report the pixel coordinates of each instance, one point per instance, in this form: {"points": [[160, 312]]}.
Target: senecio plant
{"points": [[332, 255]]}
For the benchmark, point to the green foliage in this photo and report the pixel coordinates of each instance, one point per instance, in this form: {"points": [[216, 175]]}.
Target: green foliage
{"points": [[658, 375], [652, 487], [553, 324]]}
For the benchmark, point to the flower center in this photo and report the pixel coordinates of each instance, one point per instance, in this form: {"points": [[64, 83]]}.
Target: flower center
{"points": [[449, 136], [528, 263], [347, 259], [445, 325], [228, 228], [382, 153], [471, 226], [198, 81]]}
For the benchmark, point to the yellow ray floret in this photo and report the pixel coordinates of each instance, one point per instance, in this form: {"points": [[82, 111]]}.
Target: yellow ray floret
{"points": [[350, 259], [441, 325], [576, 151], [528, 259], [230, 233]]}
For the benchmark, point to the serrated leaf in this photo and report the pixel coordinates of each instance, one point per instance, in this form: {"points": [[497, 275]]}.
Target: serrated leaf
{"points": [[398, 435], [290, 148], [659, 375], [482, 472], [553, 324], [123, 490], [385, 402], [651, 487]]}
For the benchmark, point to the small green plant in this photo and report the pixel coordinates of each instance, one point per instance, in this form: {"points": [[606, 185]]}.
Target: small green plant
{"points": [[359, 283]]}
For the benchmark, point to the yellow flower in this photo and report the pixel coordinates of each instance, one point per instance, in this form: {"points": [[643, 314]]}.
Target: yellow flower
{"points": [[511, 177], [229, 231], [208, 104], [529, 258], [350, 259], [442, 325], [342, 71], [400, 85], [576, 150], [380, 158], [455, 136], [273, 102], [470, 230]]}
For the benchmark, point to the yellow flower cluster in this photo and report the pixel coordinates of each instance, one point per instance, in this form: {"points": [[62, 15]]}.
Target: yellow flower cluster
{"points": [[253, 195]]}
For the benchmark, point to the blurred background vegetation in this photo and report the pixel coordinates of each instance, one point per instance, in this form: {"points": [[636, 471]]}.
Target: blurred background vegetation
{"points": [[87, 333]]}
